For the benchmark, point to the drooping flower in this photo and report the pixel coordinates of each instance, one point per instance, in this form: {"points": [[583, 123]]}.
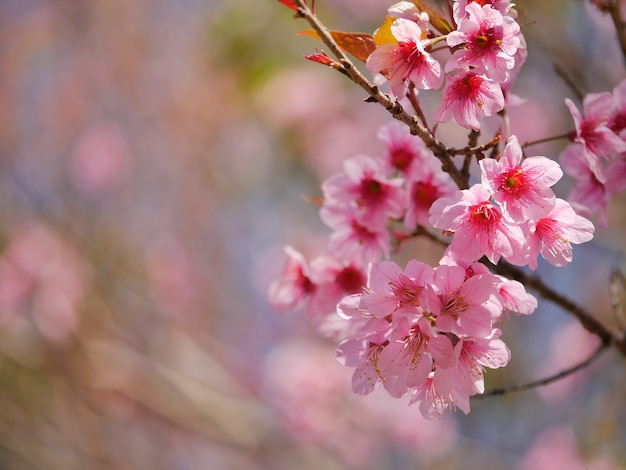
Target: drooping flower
{"points": [[402, 151], [489, 42], [553, 235], [478, 225], [425, 183], [293, 289], [522, 188], [592, 129], [353, 239], [406, 60], [467, 97]]}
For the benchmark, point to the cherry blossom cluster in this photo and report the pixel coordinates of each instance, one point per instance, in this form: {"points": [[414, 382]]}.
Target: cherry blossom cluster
{"points": [[596, 159], [428, 332], [488, 50]]}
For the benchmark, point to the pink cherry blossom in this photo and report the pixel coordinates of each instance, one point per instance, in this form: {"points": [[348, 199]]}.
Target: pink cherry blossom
{"points": [[291, 291], [425, 183], [592, 128], [407, 60], [352, 239], [433, 404], [391, 290], [553, 235], [515, 298], [460, 304], [468, 96], [459, 12], [407, 357], [617, 117], [592, 192], [402, 151], [522, 188], [473, 354], [364, 187], [489, 42], [478, 225]]}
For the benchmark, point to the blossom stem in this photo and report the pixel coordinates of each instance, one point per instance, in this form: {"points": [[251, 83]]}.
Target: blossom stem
{"points": [[393, 106], [546, 139], [546, 380]]}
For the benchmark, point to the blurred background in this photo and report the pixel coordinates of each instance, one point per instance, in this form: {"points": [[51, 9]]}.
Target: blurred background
{"points": [[155, 156]]}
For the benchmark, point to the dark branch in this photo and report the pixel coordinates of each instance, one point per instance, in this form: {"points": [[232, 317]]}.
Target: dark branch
{"points": [[544, 381]]}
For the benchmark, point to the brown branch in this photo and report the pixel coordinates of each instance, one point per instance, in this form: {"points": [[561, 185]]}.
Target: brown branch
{"points": [[546, 380], [586, 319], [375, 95]]}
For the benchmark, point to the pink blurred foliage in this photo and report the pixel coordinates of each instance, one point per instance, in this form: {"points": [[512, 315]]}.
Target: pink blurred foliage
{"points": [[555, 448], [316, 404], [101, 158], [43, 280], [562, 356]]}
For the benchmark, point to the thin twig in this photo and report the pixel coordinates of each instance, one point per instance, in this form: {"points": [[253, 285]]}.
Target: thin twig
{"points": [[617, 279], [546, 380], [393, 106], [546, 139], [586, 319]]}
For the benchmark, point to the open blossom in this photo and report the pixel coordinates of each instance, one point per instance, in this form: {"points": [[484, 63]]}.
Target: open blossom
{"points": [[392, 290], [363, 187], [467, 97], [522, 188], [489, 42], [553, 235], [478, 225], [407, 60], [514, 297], [465, 374], [461, 306]]}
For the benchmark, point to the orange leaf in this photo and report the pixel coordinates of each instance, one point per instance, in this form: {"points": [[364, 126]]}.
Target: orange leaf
{"points": [[360, 45], [436, 19], [383, 34]]}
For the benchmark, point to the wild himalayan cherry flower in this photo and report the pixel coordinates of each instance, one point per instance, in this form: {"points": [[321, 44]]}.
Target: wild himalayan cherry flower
{"points": [[522, 188], [353, 239], [592, 129], [405, 361], [468, 96], [462, 305], [409, 11], [514, 297], [478, 225], [489, 42], [465, 374], [553, 235], [316, 286], [459, 13], [364, 187], [433, 404], [592, 193], [425, 183], [407, 60], [402, 151], [391, 290]]}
